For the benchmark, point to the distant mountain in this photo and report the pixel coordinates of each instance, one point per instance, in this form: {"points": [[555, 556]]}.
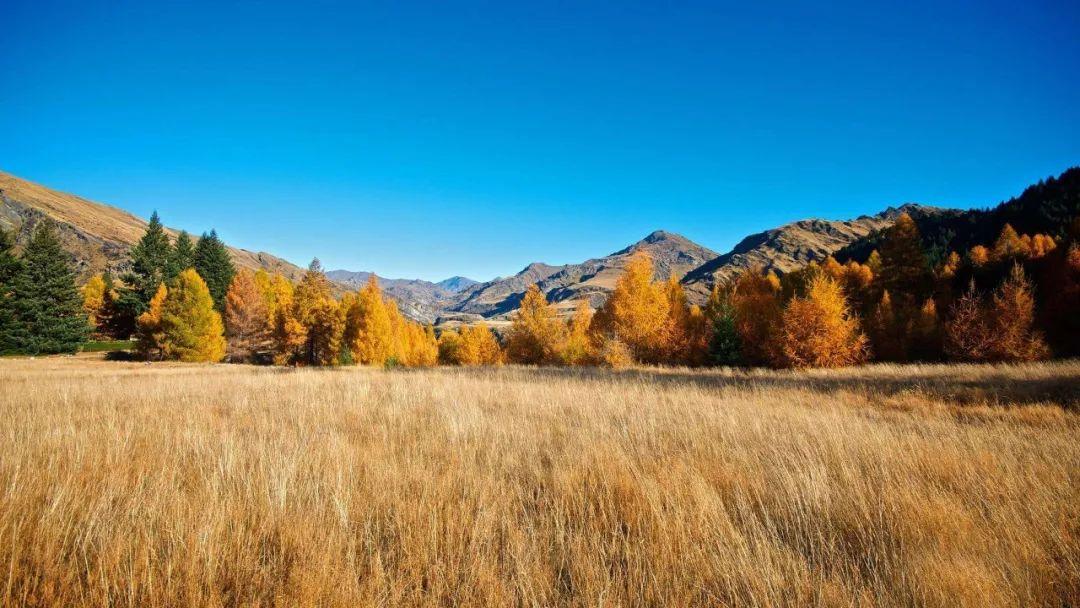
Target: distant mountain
{"points": [[793, 245], [590, 280], [1048, 207], [456, 284], [418, 299], [99, 236]]}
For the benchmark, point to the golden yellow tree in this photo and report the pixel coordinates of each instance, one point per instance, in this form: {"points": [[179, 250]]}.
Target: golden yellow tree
{"points": [[1009, 245], [819, 329], [1012, 317], [94, 301], [192, 330], [968, 333], [978, 256], [369, 333], [325, 328], [536, 333], [449, 346], [148, 326], [299, 334], [246, 328], [757, 311], [579, 348], [479, 346], [636, 312]]}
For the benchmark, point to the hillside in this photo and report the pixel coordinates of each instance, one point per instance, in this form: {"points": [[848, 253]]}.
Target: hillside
{"points": [[99, 236], [417, 299], [591, 280], [793, 245], [1048, 207]]}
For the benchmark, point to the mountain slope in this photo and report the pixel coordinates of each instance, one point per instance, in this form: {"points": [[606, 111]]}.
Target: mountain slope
{"points": [[417, 299], [99, 236], [1048, 207], [792, 246], [590, 280]]}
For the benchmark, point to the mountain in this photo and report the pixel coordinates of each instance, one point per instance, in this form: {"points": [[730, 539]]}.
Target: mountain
{"points": [[792, 246], [456, 284], [99, 236], [417, 299], [590, 280], [1050, 207]]}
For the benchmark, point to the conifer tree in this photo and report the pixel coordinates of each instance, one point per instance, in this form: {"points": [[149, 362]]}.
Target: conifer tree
{"points": [[47, 307], [246, 327], [1012, 313], [149, 268], [151, 340], [819, 330], [968, 334], [979, 256], [298, 332], [214, 265], [536, 334], [725, 348], [904, 269], [327, 322], [191, 329], [9, 269], [927, 333], [1008, 246], [181, 256]]}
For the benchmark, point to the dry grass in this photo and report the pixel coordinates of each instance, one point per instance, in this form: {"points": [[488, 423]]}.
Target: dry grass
{"points": [[125, 485]]}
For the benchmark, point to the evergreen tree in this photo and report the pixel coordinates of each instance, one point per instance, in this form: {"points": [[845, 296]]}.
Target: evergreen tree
{"points": [[181, 257], [192, 330], [48, 309], [725, 348], [214, 265], [9, 269], [905, 272], [149, 269]]}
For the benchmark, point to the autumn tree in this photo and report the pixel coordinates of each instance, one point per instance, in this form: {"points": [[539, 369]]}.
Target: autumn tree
{"points": [[636, 312], [927, 337], [368, 328], [148, 269], [968, 334], [978, 256], [904, 272], [191, 329], [449, 347], [93, 294], [246, 328], [1009, 246], [324, 330], [1012, 316], [758, 316], [151, 340], [579, 348], [297, 332], [479, 346], [536, 333], [819, 329]]}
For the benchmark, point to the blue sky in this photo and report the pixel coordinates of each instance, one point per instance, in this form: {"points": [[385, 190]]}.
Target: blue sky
{"points": [[432, 139]]}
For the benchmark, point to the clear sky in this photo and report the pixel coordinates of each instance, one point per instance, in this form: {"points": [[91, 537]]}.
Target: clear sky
{"points": [[440, 138]]}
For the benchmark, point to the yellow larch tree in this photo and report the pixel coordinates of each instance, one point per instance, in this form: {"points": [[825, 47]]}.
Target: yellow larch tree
{"points": [[479, 346], [368, 328], [94, 301], [819, 329], [449, 347], [191, 329], [246, 328], [536, 334], [148, 326], [636, 312], [757, 312], [578, 348]]}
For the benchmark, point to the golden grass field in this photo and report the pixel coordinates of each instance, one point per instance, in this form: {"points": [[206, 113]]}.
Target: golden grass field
{"points": [[124, 484]]}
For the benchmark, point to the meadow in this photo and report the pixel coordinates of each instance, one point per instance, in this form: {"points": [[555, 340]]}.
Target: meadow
{"points": [[126, 484]]}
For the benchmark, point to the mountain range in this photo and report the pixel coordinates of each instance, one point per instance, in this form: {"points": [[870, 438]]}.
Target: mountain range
{"points": [[99, 237]]}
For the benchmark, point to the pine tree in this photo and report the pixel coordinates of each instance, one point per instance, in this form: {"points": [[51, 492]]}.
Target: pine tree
{"points": [[181, 256], [192, 330], [246, 327], [214, 265], [725, 348], [10, 266], [151, 340], [905, 272], [48, 310], [536, 334], [149, 268], [819, 330]]}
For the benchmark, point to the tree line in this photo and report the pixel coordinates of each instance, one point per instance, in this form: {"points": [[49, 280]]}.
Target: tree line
{"points": [[1015, 299]]}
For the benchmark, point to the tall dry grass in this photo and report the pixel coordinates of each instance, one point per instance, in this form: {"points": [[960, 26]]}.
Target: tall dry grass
{"points": [[125, 485]]}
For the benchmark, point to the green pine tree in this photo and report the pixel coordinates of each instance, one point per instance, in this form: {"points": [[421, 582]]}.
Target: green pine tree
{"points": [[214, 265], [149, 268], [181, 257], [48, 309], [9, 269]]}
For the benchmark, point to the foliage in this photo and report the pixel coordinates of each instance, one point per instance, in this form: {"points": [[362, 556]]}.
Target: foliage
{"points": [[190, 327], [151, 339], [214, 265], [819, 329], [149, 269], [246, 320], [536, 334], [637, 312]]}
